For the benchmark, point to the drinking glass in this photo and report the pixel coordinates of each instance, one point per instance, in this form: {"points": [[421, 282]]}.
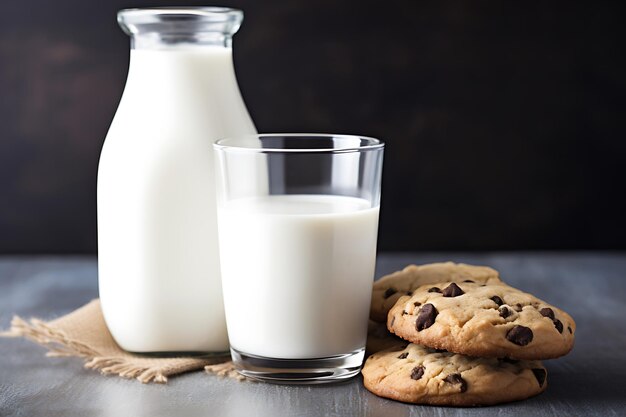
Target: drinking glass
{"points": [[298, 223]]}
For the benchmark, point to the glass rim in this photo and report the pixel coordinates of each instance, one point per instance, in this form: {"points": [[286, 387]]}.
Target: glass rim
{"points": [[372, 143]]}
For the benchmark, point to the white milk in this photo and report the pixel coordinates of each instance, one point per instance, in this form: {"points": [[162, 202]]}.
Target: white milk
{"points": [[297, 274], [159, 273]]}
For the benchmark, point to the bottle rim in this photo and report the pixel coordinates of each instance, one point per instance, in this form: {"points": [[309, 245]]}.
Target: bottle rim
{"points": [[134, 21], [212, 13]]}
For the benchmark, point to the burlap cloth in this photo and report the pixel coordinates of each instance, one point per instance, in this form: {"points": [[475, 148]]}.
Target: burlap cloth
{"points": [[83, 333]]}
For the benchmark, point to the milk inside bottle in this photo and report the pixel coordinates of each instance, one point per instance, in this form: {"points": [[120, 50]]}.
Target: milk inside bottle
{"points": [[158, 261]]}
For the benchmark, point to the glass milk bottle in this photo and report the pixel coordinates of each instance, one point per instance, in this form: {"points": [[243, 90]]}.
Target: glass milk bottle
{"points": [[158, 262]]}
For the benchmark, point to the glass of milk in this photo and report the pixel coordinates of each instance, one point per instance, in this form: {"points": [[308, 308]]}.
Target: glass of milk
{"points": [[298, 223]]}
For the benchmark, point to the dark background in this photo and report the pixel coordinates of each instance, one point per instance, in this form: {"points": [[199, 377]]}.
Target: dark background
{"points": [[504, 121]]}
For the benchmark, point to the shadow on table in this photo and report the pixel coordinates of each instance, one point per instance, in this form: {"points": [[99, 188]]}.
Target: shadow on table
{"points": [[600, 387]]}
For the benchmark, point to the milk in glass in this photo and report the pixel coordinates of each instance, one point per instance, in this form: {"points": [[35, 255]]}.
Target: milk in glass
{"points": [[297, 273]]}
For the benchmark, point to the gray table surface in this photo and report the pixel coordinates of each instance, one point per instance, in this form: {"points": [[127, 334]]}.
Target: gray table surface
{"points": [[589, 381]]}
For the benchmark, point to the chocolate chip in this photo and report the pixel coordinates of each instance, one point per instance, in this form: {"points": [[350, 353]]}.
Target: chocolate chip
{"points": [[404, 312], [409, 293], [456, 379], [509, 360], [497, 300], [468, 280], [452, 290], [417, 304], [540, 374], [426, 317], [520, 335], [518, 307], [558, 325], [403, 355], [547, 312], [389, 292], [393, 320], [417, 372], [570, 329], [434, 289], [504, 312]]}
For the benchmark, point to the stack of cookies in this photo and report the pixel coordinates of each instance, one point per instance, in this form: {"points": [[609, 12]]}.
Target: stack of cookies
{"points": [[462, 337]]}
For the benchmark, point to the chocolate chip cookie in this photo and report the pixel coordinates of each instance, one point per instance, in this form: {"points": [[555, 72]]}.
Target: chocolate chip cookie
{"points": [[420, 375], [390, 288], [482, 319]]}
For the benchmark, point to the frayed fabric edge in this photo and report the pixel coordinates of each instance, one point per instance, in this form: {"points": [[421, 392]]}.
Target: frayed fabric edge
{"points": [[59, 345], [225, 370]]}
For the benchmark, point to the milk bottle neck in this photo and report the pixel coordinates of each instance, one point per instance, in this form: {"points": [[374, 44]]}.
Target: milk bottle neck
{"points": [[180, 28], [158, 41]]}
